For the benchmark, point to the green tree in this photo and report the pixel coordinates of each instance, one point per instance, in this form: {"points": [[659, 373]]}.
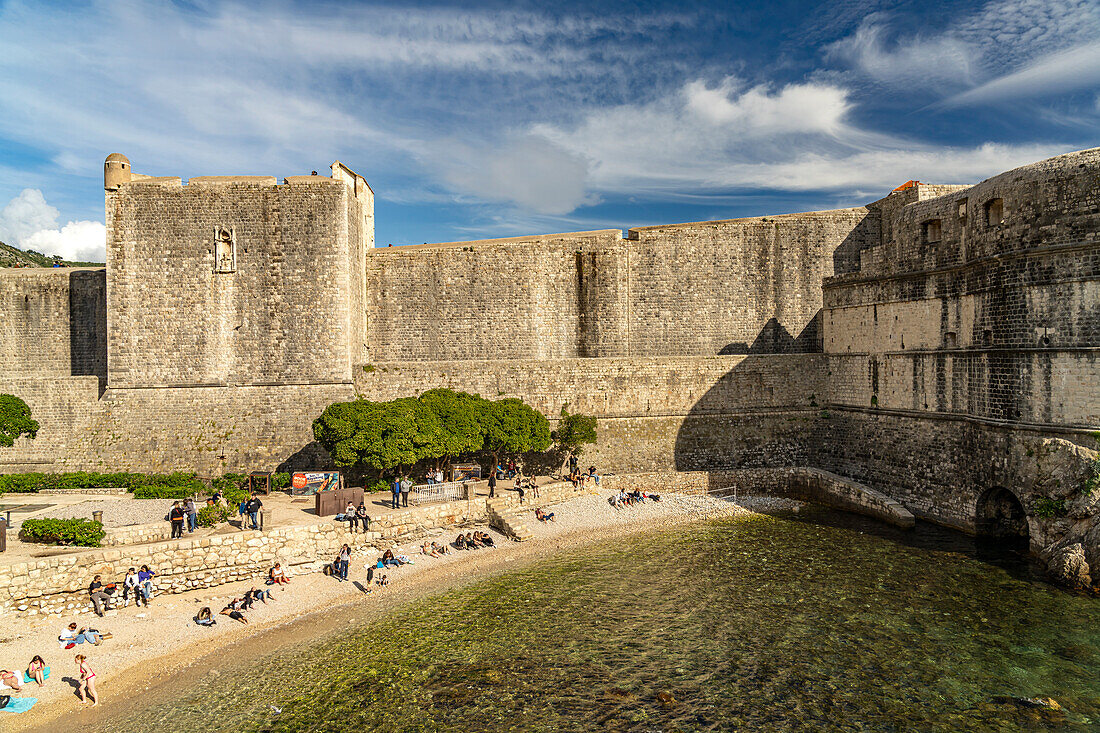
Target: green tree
{"points": [[574, 431], [460, 417], [15, 420], [384, 436], [514, 427]]}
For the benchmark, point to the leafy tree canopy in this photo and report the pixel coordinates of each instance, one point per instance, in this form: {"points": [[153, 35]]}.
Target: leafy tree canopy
{"points": [[574, 431], [460, 416], [15, 420], [514, 427]]}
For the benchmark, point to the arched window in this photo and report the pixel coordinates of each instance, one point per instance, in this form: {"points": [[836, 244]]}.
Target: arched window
{"points": [[225, 249], [994, 212]]}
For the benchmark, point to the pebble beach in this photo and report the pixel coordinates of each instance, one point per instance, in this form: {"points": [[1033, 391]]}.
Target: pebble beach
{"points": [[154, 645]]}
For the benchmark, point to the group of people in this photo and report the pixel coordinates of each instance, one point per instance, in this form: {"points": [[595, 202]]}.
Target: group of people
{"points": [[629, 498], [139, 583], [355, 516], [577, 477], [401, 488], [38, 671], [473, 540], [435, 549], [236, 607], [249, 511], [183, 511]]}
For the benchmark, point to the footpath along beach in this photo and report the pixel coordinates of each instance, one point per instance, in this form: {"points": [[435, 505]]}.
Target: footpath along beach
{"points": [[162, 645]]}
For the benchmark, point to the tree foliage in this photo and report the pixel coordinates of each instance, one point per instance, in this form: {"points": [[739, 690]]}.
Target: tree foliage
{"points": [[574, 431], [15, 420], [391, 437]]}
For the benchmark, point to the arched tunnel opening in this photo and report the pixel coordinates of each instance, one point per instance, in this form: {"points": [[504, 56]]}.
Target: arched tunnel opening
{"points": [[1001, 516]]}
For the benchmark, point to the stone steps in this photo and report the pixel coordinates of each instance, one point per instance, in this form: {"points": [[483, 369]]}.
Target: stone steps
{"points": [[508, 519]]}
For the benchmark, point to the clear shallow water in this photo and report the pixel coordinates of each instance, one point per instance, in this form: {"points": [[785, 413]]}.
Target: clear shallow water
{"points": [[822, 623]]}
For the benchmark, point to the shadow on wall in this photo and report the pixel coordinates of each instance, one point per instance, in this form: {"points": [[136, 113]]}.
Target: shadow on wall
{"points": [[88, 324], [774, 338], [867, 233], [761, 413]]}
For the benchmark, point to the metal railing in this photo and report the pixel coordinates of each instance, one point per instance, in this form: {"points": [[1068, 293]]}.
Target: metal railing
{"points": [[430, 493]]}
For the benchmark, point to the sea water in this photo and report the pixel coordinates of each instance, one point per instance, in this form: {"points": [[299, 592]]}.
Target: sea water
{"points": [[820, 622]]}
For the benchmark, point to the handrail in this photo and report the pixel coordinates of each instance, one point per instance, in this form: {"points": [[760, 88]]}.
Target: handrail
{"points": [[428, 493]]}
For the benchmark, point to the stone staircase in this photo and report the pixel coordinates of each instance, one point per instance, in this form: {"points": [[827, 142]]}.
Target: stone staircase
{"points": [[508, 518]]}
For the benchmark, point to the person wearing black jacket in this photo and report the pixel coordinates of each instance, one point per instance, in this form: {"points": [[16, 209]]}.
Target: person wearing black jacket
{"points": [[176, 516], [492, 484]]}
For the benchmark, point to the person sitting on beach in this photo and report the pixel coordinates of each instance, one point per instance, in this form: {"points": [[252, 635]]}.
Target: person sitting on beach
{"points": [[486, 539], [383, 581], [100, 593], [37, 670], [11, 679], [425, 549], [205, 617], [361, 513], [87, 680], [234, 614], [472, 542], [388, 560], [276, 576], [130, 585], [460, 541], [544, 516], [352, 515]]}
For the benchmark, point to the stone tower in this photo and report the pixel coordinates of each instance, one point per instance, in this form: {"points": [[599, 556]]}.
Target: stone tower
{"points": [[116, 171]]}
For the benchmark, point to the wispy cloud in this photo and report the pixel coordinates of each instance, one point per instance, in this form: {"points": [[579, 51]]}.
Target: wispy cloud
{"points": [[1066, 71]]}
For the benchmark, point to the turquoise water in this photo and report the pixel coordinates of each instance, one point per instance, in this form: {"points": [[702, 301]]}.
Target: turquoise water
{"points": [[768, 624]]}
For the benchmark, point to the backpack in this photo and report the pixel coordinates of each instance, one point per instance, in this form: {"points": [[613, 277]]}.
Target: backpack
{"points": [[4, 700]]}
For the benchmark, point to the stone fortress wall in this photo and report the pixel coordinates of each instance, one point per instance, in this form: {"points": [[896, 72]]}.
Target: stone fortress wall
{"points": [[919, 345]]}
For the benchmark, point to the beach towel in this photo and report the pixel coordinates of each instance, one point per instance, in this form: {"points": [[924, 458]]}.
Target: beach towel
{"points": [[27, 678], [19, 705]]}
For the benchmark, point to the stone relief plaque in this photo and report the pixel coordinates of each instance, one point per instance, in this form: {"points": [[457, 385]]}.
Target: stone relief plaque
{"points": [[225, 249]]}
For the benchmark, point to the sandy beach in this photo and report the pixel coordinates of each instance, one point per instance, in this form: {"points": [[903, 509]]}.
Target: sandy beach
{"points": [[161, 644]]}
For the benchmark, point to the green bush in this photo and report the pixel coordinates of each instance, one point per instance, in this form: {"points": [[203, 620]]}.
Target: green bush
{"points": [[211, 516], [82, 532], [1050, 508], [166, 492], [280, 480], [377, 485], [22, 483]]}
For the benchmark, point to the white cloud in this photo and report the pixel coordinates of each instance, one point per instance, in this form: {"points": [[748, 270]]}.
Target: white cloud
{"points": [[531, 171], [83, 241], [30, 223], [795, 138], [912, 61], [1065, 71]]}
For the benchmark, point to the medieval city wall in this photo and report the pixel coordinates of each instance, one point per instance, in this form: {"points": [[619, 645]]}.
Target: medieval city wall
{"points": [[53, 322], [721, 287]]}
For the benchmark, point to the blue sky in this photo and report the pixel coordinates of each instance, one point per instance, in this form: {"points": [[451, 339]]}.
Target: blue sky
{"points": [[499, 119]]}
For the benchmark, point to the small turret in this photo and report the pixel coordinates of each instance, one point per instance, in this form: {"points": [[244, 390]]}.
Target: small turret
{"points": [[116, 171]]}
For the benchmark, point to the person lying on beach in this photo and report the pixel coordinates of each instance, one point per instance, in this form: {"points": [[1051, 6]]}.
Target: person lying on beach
{"points": [[37, 670], [87, 680], [460, 541], [276, 576], [443, 549], [233, 614], [259, 595], [70, 637], [544, 516], [205, 617], [11, 679]]}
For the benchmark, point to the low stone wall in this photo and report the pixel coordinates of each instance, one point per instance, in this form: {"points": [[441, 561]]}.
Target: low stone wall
{"points": [[58, 585], [102, 491], [136, 534], [797, 482]]}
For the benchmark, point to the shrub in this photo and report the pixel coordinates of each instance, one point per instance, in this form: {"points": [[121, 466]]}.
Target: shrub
{"points": [[211, 516], [280, 480], [1050, 508], [164, 492], [377, 485], [82, 532], [33, 482]]}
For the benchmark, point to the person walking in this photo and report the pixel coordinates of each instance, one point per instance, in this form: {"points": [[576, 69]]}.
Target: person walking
{"points": [[175, 516], [406, 487], [87, 680], [192, 515], [396, 491], [492, 484]]}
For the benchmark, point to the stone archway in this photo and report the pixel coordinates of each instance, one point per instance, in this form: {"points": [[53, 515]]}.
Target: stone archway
{"points": [[1000, 514]]}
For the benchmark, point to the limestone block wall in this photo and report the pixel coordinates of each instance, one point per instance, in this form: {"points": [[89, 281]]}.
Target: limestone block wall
{"points": [[686, 412], [729, 287], [283, 316], [53, 322]]}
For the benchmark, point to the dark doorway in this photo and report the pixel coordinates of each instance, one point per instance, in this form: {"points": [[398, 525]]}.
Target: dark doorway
{"points": [[1000, 515]]}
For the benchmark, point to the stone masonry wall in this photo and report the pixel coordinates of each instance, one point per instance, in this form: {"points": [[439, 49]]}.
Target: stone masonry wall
{"points": [[719, 287], [53, 322], [284, 315]]}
